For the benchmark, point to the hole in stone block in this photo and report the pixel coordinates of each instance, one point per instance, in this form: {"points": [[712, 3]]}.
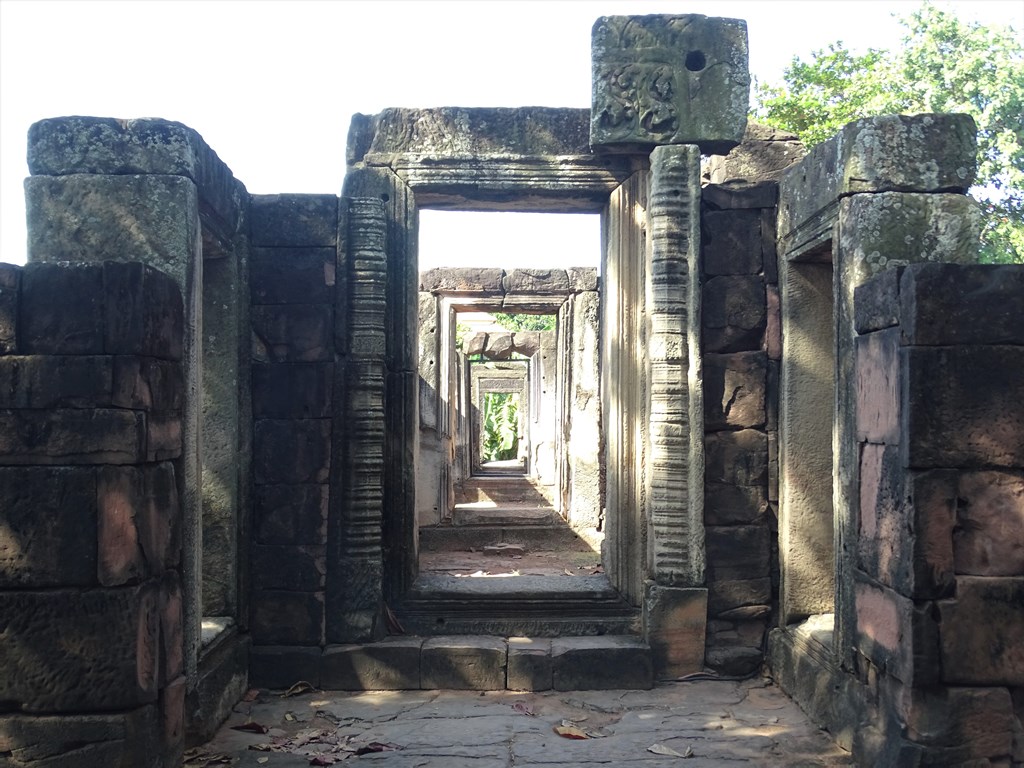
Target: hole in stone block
{"points": [[696, 61]]}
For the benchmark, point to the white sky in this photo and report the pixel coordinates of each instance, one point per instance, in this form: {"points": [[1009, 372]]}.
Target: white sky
{"points": [[272, 85]]}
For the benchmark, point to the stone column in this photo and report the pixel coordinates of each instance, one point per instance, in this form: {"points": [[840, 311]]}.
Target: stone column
{"points": [[355, 564]]}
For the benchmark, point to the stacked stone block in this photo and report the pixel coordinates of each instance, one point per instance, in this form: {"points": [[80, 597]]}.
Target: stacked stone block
{"points": [[293, 267], [939, 574], [91, 402], [742, 346]]}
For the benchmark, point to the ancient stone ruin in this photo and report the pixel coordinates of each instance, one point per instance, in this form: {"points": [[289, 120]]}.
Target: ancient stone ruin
{"points": [[787, 417]]}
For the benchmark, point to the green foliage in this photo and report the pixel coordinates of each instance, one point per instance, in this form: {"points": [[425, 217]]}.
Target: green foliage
{"points": [[525, 322], [944, 65], [501, 427]]}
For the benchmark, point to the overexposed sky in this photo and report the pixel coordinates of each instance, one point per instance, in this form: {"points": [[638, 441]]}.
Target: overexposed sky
{"points": [[272, 85]]}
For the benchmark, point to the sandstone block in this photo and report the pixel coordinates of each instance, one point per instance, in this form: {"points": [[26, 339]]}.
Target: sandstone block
{"points": [[148, 383], [47, 526], [734, 390], [962, 304], [172, 635], [10, 288], [499, 346], [961, 726], [878, 386], [463, 662], [737, 458], [293, 220], [304, 275], [773, 323], [62, 309], [906, 525], [139, 528], [976, 418], [55, 381], [292, 391], [876, 303], [292, 568], [582, 279], [45, 741], [675, 621], [280, 667], [486, 280], [291, 514], [290, 333], [737, 552], [874, 230], [79, 651], [989, 536], [731, 242], [172, 716], [163, 436], [153, 218], [741, 195], [983, 632], [640, 100], [763, 155], [735, 313], [726, 595], [735, 660], [144, 312], [529, 664], [536, 281], [600, 663], [288, 451], [896, 635], [287, 618], [393, 664], [899, 153], [69, 436]]}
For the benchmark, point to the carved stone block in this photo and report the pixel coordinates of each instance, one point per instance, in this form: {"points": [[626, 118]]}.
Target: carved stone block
{"points": [[669, 80]]}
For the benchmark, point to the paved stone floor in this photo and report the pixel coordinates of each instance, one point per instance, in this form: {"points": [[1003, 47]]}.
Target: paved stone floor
{"points": [[687, 724]]}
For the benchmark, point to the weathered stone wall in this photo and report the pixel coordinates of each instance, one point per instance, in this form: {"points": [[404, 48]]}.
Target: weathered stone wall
{"points": [[92, 396], [742, 345], [939, 571], [293, 294]]}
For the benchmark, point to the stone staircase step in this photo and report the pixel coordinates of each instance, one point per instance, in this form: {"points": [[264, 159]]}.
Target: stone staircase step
{"points": [[464, 662], [475, 537], [487, 513], [503, 489]]}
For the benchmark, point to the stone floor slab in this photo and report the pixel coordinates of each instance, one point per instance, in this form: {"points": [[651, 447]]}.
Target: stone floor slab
{"points": [[719, 723]]}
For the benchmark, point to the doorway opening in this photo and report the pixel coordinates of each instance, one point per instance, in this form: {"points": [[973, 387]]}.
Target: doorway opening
{"points": [[503, 488]]}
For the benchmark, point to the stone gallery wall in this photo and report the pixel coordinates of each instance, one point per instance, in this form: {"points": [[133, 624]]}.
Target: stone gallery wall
{"points": [[939, 574], [742, 344], [293, 282], [91, 401]]}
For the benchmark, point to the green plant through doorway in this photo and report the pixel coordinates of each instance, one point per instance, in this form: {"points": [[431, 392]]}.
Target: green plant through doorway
{"points": [[501, 427]]}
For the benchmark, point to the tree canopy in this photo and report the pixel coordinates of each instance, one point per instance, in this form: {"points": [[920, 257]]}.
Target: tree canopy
{"points": [[944, 65]]}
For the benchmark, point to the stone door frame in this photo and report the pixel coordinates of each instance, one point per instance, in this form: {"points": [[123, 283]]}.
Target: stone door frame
{"points": [[449, 160]]}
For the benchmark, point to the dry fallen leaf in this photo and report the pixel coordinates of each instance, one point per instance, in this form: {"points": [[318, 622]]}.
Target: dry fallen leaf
{"points": [[250, 728], [289, 717], [661, 749], [251, 695], [568, 572], [524, 708], [299, 688], [570, 731], [262, 760], [376, 746]]}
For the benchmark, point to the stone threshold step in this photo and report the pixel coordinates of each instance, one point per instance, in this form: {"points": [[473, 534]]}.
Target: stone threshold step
{"points": [[488, 513], [541, 606], [450, 538], [461, 662]]}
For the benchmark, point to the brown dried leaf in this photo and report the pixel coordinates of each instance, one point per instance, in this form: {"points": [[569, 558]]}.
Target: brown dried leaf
{"points": [[376, 746], [299, 688], [570, 732], [251, 695], [661, 749], [524, 708], [250, 727]]}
